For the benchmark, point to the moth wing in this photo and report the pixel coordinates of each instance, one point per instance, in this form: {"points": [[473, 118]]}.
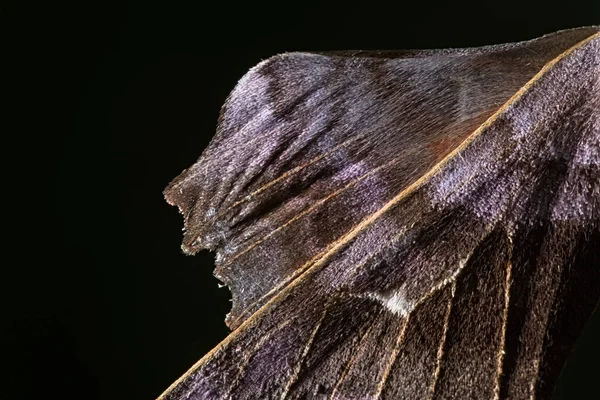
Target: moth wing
{"points": [[471, 282], [304, 136]]}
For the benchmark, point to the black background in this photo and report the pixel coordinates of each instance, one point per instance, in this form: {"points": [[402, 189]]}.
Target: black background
{"points": [[112, 101]]}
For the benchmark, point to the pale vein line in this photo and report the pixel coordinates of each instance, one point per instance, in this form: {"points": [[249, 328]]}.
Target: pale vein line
{"points": [[317, 265], [501, 351], [310, 209], [451, 279], [392, 360], [248, 356], [307, 347], [291, 172], [440, 352], [350, 361]]}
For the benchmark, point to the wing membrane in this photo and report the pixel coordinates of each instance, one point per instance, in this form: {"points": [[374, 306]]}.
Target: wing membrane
{"points": [[494, 238], [304, 135]]}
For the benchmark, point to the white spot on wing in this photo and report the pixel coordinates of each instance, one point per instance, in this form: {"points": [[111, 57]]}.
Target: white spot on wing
{"points": [[395, 301], [402, 302]]}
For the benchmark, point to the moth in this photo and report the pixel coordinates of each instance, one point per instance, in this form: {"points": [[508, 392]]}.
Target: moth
{"points": [[401, 224]]}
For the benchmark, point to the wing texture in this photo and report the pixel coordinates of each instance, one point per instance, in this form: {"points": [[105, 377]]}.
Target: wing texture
{"points": [[421, 224]]}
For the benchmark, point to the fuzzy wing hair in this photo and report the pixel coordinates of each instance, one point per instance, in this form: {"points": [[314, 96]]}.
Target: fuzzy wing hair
{"points": [[417, 224]]}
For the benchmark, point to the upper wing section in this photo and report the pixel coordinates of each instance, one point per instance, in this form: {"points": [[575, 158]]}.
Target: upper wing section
{"points": [[310, 145], [481, 271]]}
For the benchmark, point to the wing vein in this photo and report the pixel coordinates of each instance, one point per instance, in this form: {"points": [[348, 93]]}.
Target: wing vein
{"points": [[309, 210], [440, 352], [350, 362], [307, 347], [290, 173], [392, 359], [248, 356], [501, 350]]}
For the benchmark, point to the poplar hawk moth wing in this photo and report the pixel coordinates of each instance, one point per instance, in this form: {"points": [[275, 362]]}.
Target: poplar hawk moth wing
{"points": [[401, 225]]}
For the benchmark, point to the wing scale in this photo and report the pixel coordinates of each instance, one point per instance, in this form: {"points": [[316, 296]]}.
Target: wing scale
{"points": [[457, 284]]}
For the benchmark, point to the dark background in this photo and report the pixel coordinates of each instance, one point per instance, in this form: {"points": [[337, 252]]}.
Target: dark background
{"points": [[112, 101]]}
